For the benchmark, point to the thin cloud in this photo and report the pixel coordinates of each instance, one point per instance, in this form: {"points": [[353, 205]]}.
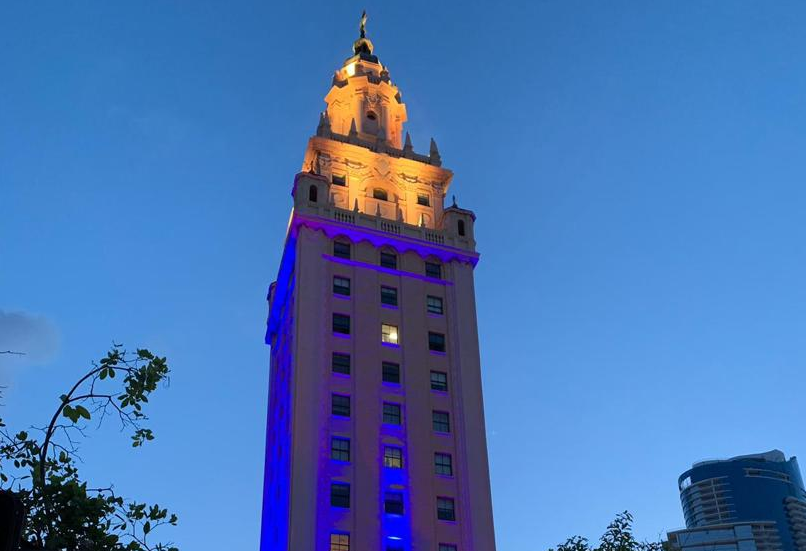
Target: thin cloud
{"points": [[34, 338]]}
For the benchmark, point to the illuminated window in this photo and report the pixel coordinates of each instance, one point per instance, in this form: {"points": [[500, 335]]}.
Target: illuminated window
{"points": [[391, 414], [389, 333], [380, 194], [461, 227], [341, 542], [341, 324], [447, 547], [439, 381], [340, 363], [389, 296], [392, 457], [340, 449], [434, 304], [445, 508], [340, 405], [391, 372], [338, 180], [393, 503], [422, 199], [433, 270], [341, 249], [340, 495], [441, 421], [341, 286], [443, 464], [389, 260], [436, 342]]}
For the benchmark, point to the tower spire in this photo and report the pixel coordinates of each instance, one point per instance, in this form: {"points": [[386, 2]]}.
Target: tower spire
{"points": [[363, 46]]}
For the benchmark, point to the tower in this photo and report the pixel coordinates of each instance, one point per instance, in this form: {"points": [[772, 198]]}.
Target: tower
{"points": [[751, 502], [376, 437]]}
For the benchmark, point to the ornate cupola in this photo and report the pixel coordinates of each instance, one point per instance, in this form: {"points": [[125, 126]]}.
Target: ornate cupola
{"points": [[363, 101]]}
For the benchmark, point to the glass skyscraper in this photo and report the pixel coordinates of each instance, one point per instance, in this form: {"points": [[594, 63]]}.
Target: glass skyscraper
{"points": [[746, 503]]}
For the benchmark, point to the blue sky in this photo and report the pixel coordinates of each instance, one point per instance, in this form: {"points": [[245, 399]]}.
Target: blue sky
{"points": [[637, 169]]}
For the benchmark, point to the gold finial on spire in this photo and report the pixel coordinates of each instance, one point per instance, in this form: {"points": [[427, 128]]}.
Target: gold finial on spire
{"points": [[363, 27]]}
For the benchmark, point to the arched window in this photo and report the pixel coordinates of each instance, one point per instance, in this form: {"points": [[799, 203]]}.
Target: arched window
{"points": [[312, 193], [460, 226], [370, 125], [381, 194]]}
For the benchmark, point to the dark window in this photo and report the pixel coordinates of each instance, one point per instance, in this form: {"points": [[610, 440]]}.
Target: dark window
{"points": [[389, 296], [436, 341], [422, 199], [394, 547], [434, 304], [341, 324], [341, 249], [447, 547], [439, 381], [393, 503], [391, 372], [443, 464], [433, 270], [341, 363], [340, 495], [445, 509], [380, 194], [460, 226], [441, 421], [341, 542], [338, 180], [371, 115], [312, 193], [389, 260], [392, 457], [341, 286], [391, 413], [340, 449], [340, 405]]}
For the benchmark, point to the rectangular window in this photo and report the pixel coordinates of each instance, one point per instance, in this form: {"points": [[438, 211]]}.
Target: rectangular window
{"points": [[439, 381], [441, 421], [434, 304], [389, 260], [391, 414], [393, 503], [445, 508], [389, 333], [341, 324], [340, 449], [392, 457], [338, 180], [391, 372], [340, 405], [422, 199], [341, 542], [340, 363], [389, 296], [341, 286], [447, 547], [433, 270], [340, 495], [443, 464], [436, 341], [341, 249]]}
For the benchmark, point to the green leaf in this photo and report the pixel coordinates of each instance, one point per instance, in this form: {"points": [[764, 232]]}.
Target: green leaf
{"points": [[102, 374], [83, 412], [111, 373], [146, 527]]}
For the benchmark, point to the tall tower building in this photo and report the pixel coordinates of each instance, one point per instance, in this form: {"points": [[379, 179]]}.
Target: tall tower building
{"points": [[747, 503], [376, 437]]}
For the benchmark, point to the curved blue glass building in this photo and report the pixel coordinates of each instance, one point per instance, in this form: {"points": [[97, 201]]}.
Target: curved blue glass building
{"points": [[759, 498]]}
